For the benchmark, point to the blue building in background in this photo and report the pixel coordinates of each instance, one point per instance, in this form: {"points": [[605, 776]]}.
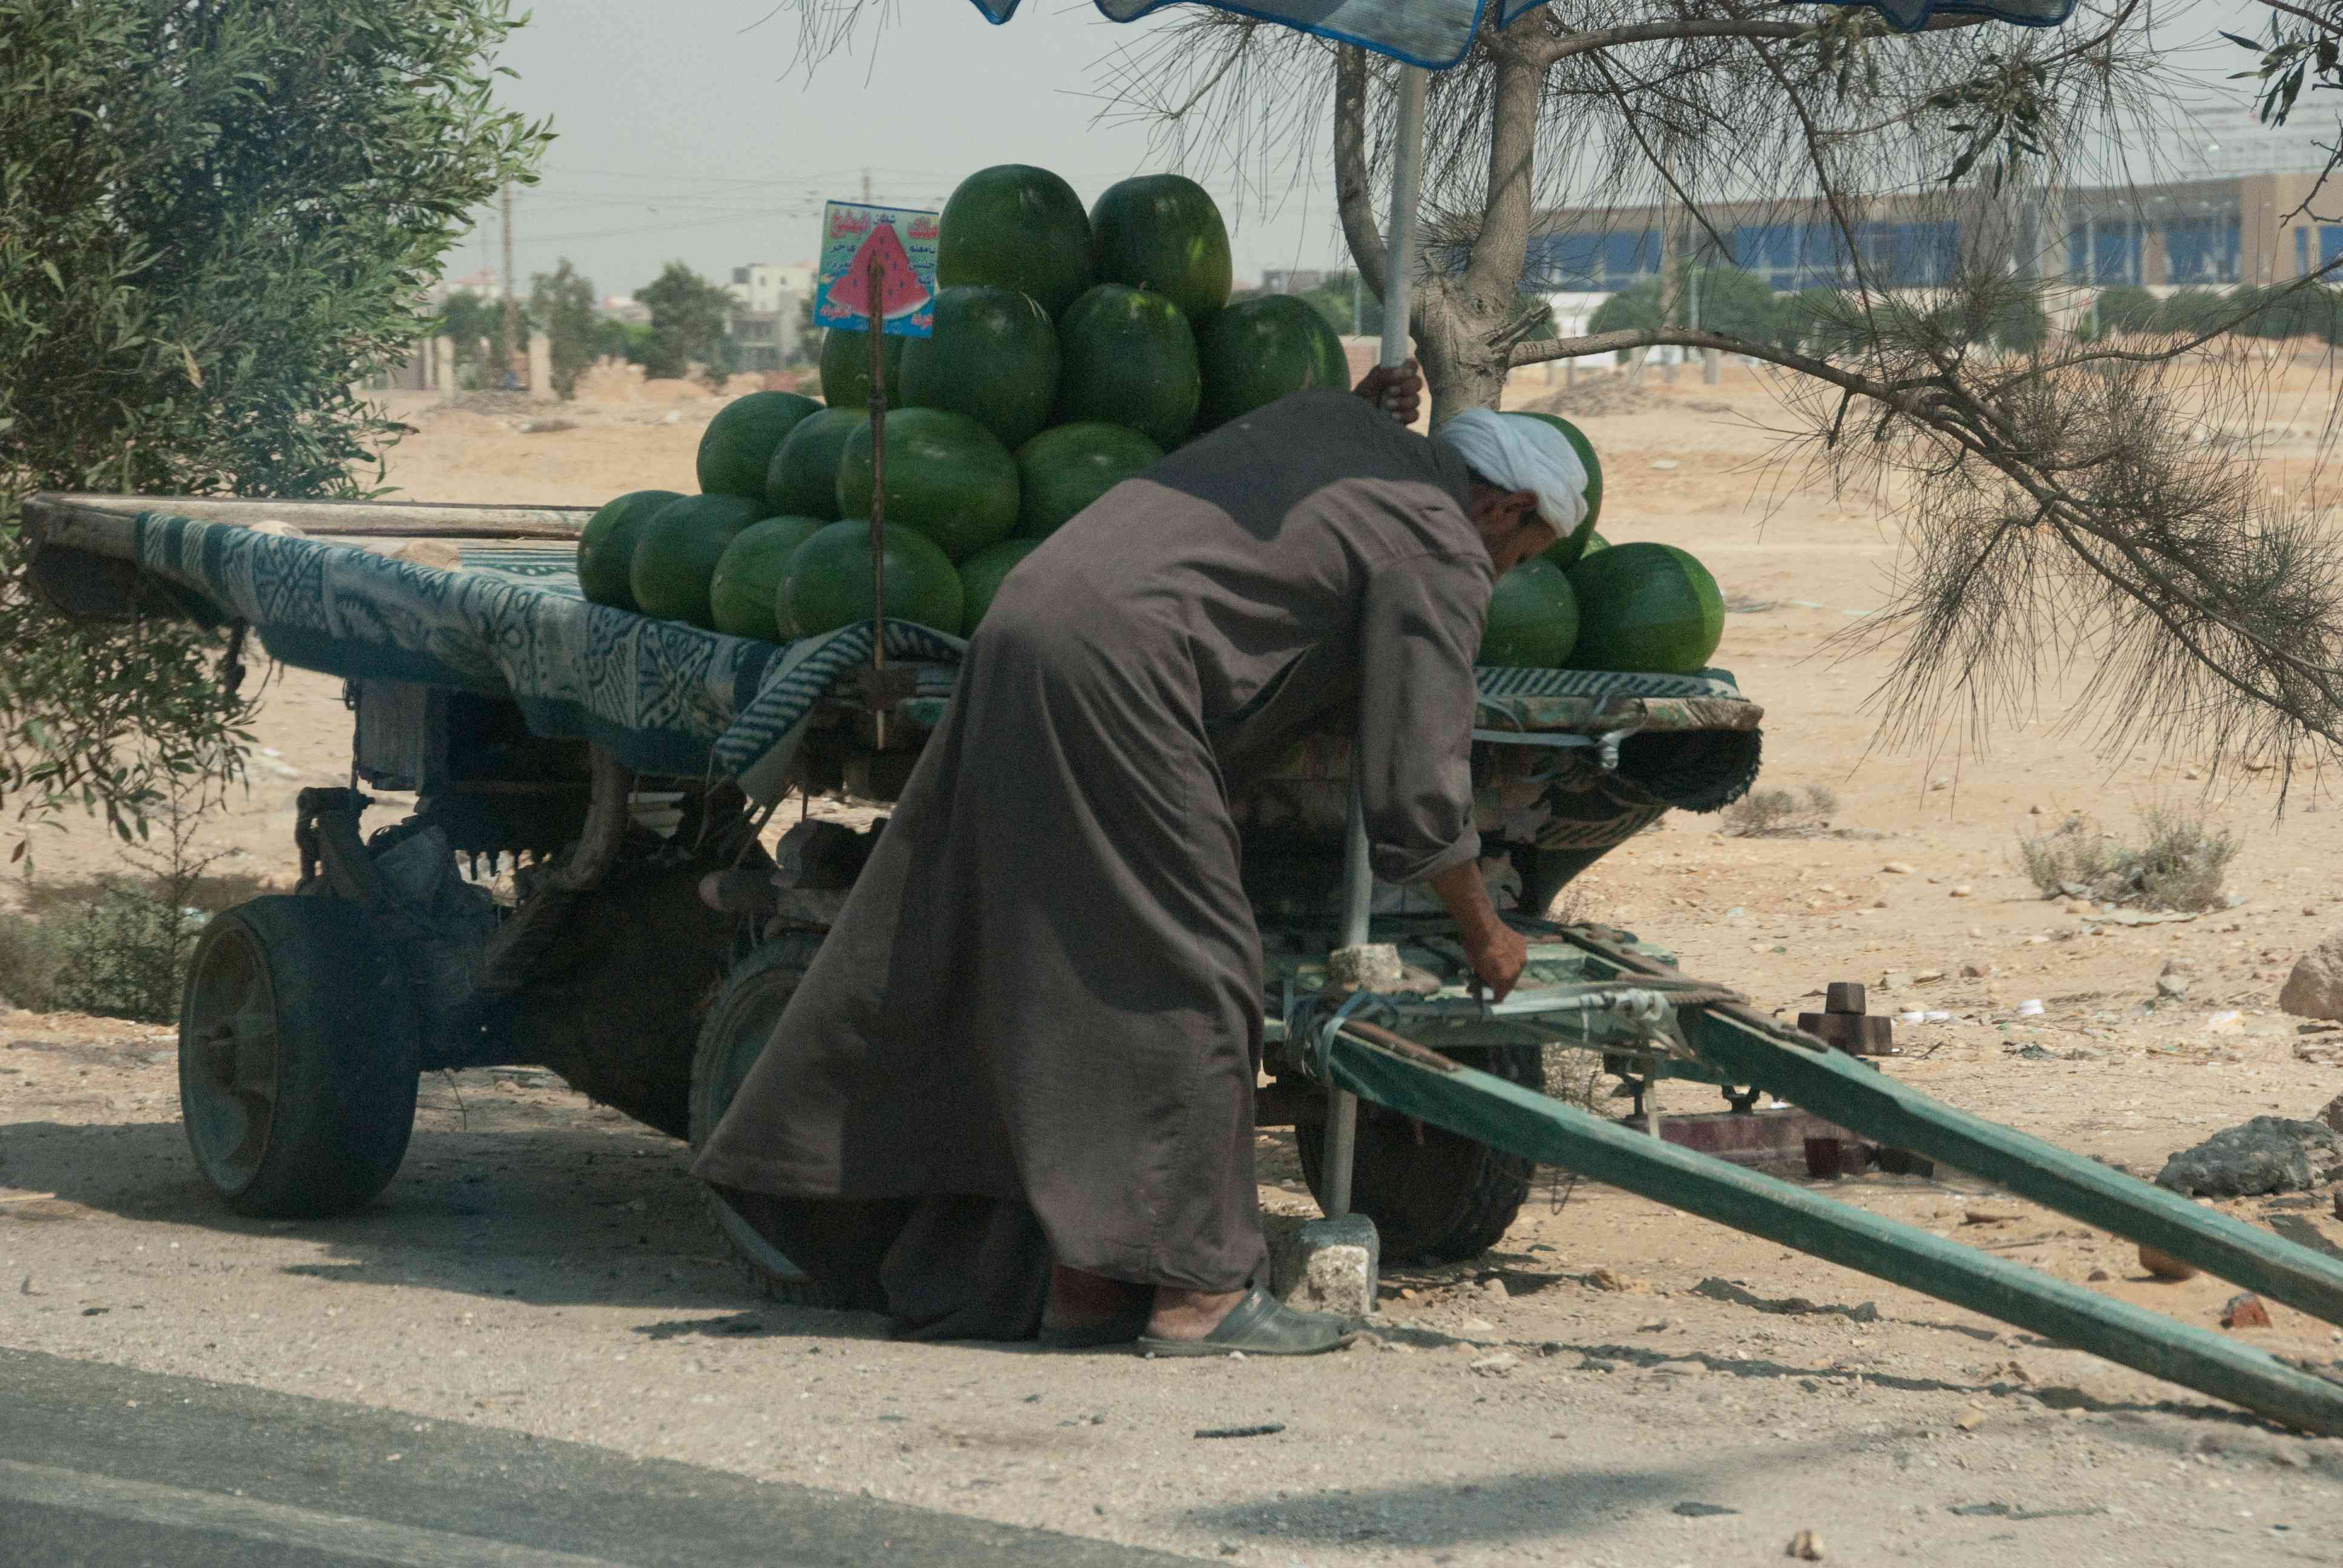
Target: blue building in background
{"points": [[2247, 227]]}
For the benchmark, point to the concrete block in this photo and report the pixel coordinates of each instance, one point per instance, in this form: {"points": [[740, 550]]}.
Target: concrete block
{"points": [[1324, 1265]]}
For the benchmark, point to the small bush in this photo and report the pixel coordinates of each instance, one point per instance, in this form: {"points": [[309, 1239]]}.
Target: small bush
{"points": [[28, 963], [123, 954], [1780, 814], [2179, 865], [2126, 308]]}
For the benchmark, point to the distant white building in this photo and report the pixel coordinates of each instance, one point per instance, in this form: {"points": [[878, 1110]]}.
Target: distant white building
{"points": [[760, 285], [767, 299]]}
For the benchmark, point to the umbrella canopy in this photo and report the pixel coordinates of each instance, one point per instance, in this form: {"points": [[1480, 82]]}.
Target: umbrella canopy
{"points": [[1437, 34]]}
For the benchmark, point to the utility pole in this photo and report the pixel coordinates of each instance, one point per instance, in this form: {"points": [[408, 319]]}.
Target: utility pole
{"points": [[512, 306], [866, 188]]}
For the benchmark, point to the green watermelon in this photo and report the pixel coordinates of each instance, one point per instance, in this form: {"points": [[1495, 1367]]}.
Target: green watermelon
{"points": [[1061, 471], [1565, 551], [980, 576], [1129, 359], [748, 580], [846, 366], [1532, 619], [1645, 607], [1258, 350], [1016, 226], [605, 549], [1594, 542], [946, 477], [802, 481], [993, 357], [675, 559], [827, 583], [1164, 233], [739, 442]]}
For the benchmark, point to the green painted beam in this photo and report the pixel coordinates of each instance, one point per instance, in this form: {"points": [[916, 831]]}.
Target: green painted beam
{"points": [[1508, 1117], [1865, 1101], [1747, 1046]]}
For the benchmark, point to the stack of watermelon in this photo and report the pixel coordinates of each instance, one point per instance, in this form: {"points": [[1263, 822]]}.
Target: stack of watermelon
{"points": [[1584, 604], [1071, 349]]}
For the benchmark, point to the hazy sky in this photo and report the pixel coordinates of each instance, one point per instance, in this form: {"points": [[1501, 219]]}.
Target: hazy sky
{"points": [[684, 133]]}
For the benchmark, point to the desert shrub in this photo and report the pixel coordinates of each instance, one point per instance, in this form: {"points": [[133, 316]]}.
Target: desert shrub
{"points": [[2179, 863], [123, 954], [1779, 813], [28, 963]]}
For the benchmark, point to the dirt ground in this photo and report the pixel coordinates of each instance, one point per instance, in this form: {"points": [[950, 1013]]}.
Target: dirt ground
{"points": [[1614, 1385]]}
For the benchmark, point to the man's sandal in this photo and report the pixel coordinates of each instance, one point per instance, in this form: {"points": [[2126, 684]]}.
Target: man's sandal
{"points": [[1260, 1326]]}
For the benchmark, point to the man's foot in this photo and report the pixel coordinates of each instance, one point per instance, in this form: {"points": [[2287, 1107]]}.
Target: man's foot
{"points": [[1086, 1311], [1189, 1314]]}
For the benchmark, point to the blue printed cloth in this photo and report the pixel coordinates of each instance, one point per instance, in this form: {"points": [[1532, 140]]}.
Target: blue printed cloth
{"points": [[663, 697], [1437, 34]]}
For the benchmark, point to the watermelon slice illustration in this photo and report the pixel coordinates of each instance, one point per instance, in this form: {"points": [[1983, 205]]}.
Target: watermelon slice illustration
{"points": [[900, 289]]}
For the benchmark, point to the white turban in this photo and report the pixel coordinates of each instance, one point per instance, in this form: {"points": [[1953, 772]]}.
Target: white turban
{"points": [[1517, 454]]}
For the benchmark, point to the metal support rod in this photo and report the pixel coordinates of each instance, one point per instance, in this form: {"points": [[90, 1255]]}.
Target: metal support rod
{"points": [[1506, 1116], [1358, 902], [877, 497], [1407, 170]]}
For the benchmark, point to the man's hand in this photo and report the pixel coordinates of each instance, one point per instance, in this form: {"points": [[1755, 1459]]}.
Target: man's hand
{"points": [[1399, 391], [1497, 950], [1498, 955]]}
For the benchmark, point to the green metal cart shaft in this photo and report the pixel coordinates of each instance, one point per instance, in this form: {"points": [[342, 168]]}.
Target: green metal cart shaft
{"points": [[1865, 1101], [1519, 1121]]}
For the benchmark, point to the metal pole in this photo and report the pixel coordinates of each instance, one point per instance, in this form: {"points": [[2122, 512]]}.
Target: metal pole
{"points": [[1407, 170], [1358, 875], [877, 494]]}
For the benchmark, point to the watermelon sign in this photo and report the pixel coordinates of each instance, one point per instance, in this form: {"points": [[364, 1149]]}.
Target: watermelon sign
{"points": [[877, 265]]}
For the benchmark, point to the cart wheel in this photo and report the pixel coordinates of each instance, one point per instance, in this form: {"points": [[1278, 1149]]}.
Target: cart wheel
{"points": [[297, 1058], [747, 1006], [1443, 1196]]}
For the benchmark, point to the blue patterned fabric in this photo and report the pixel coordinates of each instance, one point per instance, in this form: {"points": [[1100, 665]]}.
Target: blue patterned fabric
{"points": [[664, 697], [1437, 34]]}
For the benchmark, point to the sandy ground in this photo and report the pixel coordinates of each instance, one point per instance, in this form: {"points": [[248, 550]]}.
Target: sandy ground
{"points": [[540, 1263]]}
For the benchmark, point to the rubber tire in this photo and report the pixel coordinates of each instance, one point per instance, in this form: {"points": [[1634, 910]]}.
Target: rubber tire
{"points": [[1448, 1197], [756, 988], [347, 1058]]}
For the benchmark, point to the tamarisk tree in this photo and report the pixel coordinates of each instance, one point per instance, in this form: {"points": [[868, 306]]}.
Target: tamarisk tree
{"points": [[2079, 505]]}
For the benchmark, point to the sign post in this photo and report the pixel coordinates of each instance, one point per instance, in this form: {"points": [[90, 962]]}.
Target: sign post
{"points": [[878, 276]]}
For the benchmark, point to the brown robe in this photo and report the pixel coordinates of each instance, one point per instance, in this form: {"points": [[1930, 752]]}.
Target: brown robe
{"points": [[1034, 1031]]}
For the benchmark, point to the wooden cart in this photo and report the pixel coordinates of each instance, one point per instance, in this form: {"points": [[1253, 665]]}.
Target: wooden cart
{"points": [[646, 942]]}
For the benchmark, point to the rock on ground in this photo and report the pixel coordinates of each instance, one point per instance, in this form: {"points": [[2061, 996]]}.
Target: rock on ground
{"points": [[2315, 988], [2268, 1154]]}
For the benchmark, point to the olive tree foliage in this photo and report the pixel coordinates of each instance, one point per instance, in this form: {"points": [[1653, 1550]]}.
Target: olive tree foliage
{"points": [[215, 216]]}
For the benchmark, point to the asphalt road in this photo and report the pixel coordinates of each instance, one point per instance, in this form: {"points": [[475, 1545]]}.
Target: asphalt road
{"points": [[102, 1467]]}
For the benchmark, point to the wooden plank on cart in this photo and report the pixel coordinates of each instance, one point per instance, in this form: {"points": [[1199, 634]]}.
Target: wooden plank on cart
{"points": [[100, 523]]}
